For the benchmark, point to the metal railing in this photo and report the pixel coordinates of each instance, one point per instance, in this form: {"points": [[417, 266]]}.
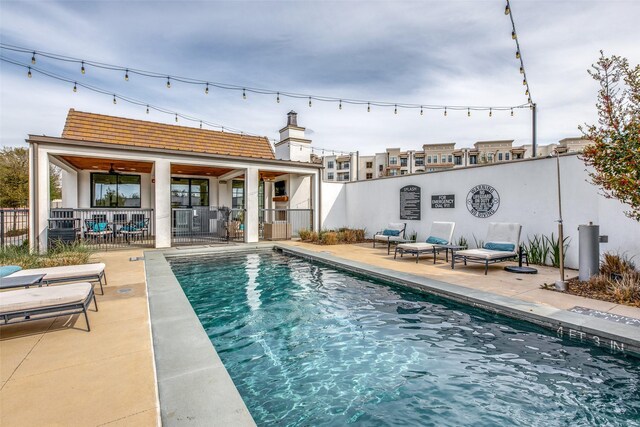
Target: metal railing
{"points": [[14, 226], [102, 228], [283, 224], [202, 225]]}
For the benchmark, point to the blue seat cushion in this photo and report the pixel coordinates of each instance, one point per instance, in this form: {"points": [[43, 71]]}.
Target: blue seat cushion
{"points": [[436, 241], [129, 228], [494, 246], [6, 270], [388, 232], [100, 226]]}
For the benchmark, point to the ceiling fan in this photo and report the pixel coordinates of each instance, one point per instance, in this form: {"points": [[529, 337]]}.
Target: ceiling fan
{"points": [[112, 171]]}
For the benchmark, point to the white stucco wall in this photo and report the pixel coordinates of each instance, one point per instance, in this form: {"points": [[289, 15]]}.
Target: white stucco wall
{"points": [[528, 195]]}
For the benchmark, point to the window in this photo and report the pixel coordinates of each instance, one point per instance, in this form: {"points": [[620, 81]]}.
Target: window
{"points": [[343, 177], [115, 191], [393, 172], [344, 165], [403, 172], [435, 159], [330, 176], [489, 157], [393, 160], [419, 161], [369, 165], [506, 156], [500, 156], [473, 160], [380, 168], [280, 188], [443, 159], [330, 164], [237, 194], [403, 162], [428, 159], [189, 192], [369, 175], [450, 158], [457, 160]]}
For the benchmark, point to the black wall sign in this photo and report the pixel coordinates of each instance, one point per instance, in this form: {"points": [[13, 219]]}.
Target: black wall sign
{"points": [[483, 201], [443, 201], [410, 202]]}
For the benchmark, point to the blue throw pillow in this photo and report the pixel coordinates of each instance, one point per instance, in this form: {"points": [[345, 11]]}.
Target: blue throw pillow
{"points": [[436, 241], [129, 228], [394, 233], [141, 224], [506, 247], [6, 270], [100, 226]]}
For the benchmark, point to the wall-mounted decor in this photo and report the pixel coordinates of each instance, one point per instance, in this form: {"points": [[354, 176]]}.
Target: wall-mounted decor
{"points": [[443, 201], [410, 202], [483, 201]]}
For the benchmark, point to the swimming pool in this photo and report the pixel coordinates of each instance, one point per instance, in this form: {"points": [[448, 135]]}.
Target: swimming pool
{"points": [[307, 344]]}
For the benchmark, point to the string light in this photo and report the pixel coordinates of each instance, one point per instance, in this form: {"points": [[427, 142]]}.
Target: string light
{"points": [[507, 10], [200, 124], [244, 94], [340, 105], [512, 112], [278, 98], [75, 88], [206, 89], [168, 82], [29, 73], [524, 82], [147, 109], [490, 112], [521, 70], [445, 111], [114, 99], [518, 54], [126, 75], [82, 68], [421, 112], [33, 57], [526, 92], [368, 107], [395, 110], [309, 101], [176, 117], [468, 112], [513, 35]]}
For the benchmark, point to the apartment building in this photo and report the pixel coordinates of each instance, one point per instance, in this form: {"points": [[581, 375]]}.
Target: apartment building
{"points": [[434, 157]]}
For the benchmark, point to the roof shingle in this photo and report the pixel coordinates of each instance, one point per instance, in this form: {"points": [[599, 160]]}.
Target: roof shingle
{"points": [[83, 126]]}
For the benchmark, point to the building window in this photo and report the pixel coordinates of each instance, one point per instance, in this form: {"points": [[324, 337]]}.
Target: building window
{"points": [[403, 162], [403, 172], [344, 177], [489, 157], [237, 193], [393, 172], [457, 160], [330, 176], [473, 160], [506, 156], [419, 161], [500, 156], [369, 165], [345, 165], [393, 160], [369, 175], [330, 164], [115, 190], [380, 168], [435, 159], [189, 192], [450, 158], [444, 159], [428, 159]]}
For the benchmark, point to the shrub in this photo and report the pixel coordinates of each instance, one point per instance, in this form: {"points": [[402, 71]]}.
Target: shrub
{"points": [[349, 236], [627, 288], [360, 234], [462, 241], [615, 265], [313, 237], [329, 238], [60, 254], [554, 248], [304, 234]]}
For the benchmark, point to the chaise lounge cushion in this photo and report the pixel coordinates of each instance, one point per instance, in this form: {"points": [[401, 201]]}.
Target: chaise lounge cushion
{"points": [[65, 272], [418, 246], [50, 296], [6, 270], [486, 254]]}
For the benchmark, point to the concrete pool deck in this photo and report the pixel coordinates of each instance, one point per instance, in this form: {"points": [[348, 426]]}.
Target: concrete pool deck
{"points": [[55, 373]]}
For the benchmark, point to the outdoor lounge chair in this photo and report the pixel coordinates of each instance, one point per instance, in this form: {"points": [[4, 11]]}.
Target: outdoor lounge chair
{"points": [[23, 305], [441, 233], [394, 233], [68, 273], [502, 244]]}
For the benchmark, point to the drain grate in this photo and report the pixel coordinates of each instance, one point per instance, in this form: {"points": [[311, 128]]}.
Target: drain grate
{"points": [[136, 258], [124, 291]]}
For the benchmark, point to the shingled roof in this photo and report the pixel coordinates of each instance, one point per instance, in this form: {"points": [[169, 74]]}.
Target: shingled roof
{"points": [[83, 126]]}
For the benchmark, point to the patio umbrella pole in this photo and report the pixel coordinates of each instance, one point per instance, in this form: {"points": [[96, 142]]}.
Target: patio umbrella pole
{"points": [[561, 285]]}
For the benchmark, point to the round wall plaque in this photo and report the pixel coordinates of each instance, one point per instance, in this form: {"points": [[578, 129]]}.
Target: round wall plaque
{"points": [[483, 201]]}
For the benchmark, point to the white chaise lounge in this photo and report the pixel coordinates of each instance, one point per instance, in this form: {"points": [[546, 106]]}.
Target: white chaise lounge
{"points": [[394, 233], [502, 244], [69, 273], [441, 233], [23, 305]]}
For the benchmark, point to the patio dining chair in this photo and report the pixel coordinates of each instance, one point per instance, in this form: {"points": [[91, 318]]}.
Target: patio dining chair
{"points": [[97, 231]]}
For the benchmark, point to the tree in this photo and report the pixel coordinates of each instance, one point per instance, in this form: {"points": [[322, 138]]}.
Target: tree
{"points": [[615, 152], [14, 178]]}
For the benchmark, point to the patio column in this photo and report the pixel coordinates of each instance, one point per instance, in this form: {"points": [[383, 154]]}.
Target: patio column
{"points": [[38, 198], [251, 205], [162, 211], [315, 200]]}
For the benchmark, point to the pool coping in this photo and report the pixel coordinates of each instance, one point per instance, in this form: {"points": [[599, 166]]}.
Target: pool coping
{"points": [[616, 337], [194, 387]]}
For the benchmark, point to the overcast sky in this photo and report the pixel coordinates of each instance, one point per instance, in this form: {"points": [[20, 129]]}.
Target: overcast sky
{"points": [[422, 52]]}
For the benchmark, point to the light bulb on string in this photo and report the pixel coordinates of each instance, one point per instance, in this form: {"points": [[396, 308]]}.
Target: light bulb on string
{"points": [[278, 98], [368, 107], [168, 82], [147, 109], [445, 111], [517, 54], [33, 57], [421, 112], [114, 100], [82, 68], [513, 35], [526, 92], [490, 112], [29, 73], [507, 10], [206, 89], [176, 117], [395, 110], [468, 112], [309, 101], [512, 112], [524, 82], [521, 70], [200, 124], [340, 105], [126, 75], [244, 94], [75, 88]]}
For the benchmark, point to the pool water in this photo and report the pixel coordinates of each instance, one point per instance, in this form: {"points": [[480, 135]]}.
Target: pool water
{"points": [[309, 345]]}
